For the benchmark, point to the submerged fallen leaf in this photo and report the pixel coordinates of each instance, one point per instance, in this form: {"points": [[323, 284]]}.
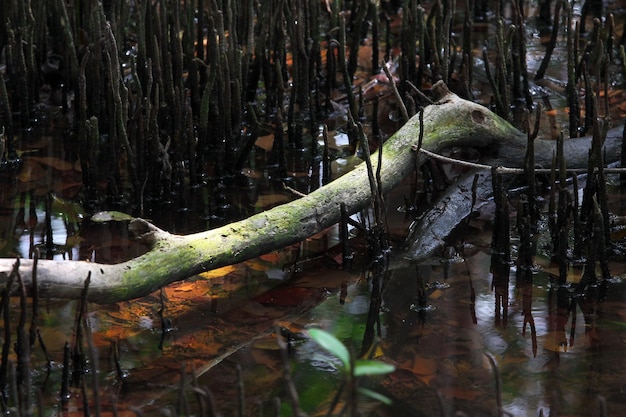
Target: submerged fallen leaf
{"points": [[267, 200], [31, 171], [265, 142], [272, 257], [435, 294], [459, 393], [266, 343], [185, 287], [426, 378], [219, 272], [73, 212], [110, 216], [424, 366], [53, 162], [288, 296], [40, 143]]}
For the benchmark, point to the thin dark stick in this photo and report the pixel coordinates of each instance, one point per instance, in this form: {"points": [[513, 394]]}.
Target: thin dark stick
{"points": [[419, 93], [552, 44], [6, 346], [291, 388], [508, 170], [35, 301], [22, 349], [240, 392], [93, 354], [396, 94]]}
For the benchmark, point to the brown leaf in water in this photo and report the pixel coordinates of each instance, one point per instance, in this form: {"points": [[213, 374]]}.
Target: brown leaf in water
{"points": [[265, 142], [424, 366], [622, 107], [407, 368], [268, 200], [267, 358], [185, 287], [40, 143], [52, 162], [288, 296], [31, 171], [459, 393], [272, 257], [435, 294], [426, 378], [219, 272], [267, 343], [67, 189], [423, 369]]}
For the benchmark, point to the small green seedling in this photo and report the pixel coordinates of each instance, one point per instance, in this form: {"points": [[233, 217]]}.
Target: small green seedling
{"points": [[353, 368]]}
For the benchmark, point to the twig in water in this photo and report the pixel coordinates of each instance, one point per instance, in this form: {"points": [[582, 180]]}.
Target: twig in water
{"points": [[6, 346], [496, 377], [347, 254], [293, 190], [326, 167], [22, 348], [78, 356], [419, 93], [183, 404], [65, 378], [35, 303], [240, 391], [93, 354], [552, 43], [165, 325], [396, 94], [602, 406], [291, 388], [508, 170]]}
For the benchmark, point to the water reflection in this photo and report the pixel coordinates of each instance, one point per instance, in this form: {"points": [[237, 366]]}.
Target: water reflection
{"points": [[500, 284], [552, 344]]}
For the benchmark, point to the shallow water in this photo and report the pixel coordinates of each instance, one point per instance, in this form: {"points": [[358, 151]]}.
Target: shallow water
{"points": [[554, 351], [439, 322]]}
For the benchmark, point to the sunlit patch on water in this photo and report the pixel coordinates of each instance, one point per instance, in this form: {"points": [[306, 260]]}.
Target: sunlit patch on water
{"points": [[438, 285], [619, 279], [422, 308]]}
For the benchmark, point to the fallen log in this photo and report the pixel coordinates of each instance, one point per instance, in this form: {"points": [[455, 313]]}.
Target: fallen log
{"points": [[450, 121], [428, 233]]}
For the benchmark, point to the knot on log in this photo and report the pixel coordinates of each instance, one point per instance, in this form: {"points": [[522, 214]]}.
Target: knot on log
{"points": [[440, 91], [145, 232]]}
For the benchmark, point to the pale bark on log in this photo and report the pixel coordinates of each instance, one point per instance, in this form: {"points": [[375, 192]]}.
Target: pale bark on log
{"points": [[451, 121]]}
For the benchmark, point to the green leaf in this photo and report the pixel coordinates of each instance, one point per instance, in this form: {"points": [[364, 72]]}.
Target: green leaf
{"points": [[331, 344], [73, 212], [110, 216], [376, 396], [370, 367]]}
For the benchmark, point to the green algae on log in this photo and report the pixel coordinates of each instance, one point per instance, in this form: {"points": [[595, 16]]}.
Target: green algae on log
{"points": [[450, 121]]}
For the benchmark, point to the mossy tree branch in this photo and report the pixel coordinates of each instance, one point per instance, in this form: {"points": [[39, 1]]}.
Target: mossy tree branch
{"points": [[450, 121]]}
